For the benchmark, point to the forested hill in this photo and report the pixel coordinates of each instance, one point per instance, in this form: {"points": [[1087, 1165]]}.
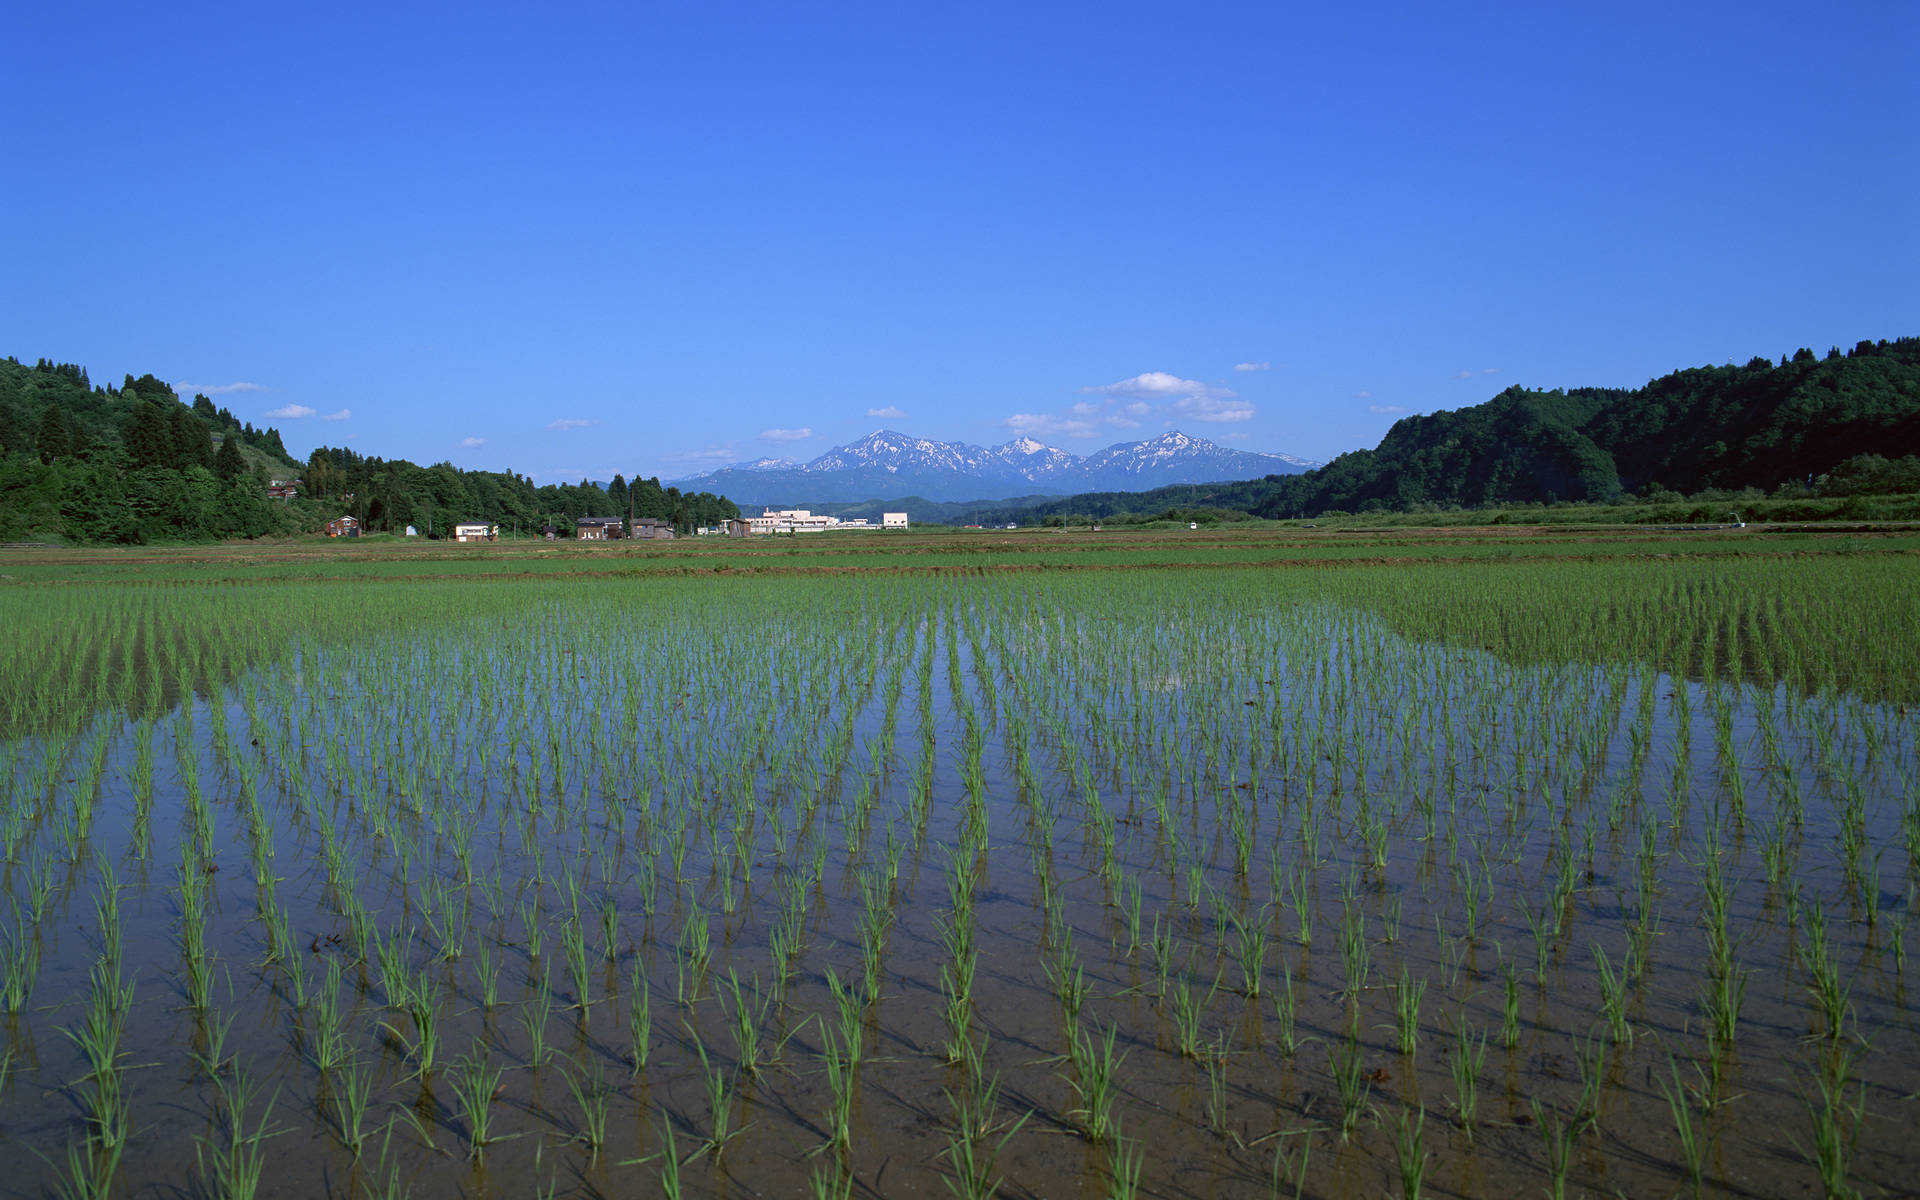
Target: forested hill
{"points": [[83, 462], [131, 463], [1764, 425]]}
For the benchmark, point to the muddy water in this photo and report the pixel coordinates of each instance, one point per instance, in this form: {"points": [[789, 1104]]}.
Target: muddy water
{"points": [[1520, 796]]}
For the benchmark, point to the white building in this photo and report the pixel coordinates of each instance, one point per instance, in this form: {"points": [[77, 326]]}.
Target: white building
{"points": [[475, 531], [792, 520], [893, 520]]}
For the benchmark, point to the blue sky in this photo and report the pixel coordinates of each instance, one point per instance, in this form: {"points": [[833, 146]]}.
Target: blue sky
{"points": [[660, 238]]}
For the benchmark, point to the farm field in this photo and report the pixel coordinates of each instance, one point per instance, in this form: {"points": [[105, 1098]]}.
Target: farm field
{"points": [[1253, 862]]}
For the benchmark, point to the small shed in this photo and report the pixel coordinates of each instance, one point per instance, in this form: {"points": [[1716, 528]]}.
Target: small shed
{"points": [[652, 529], [343, 527], [737, 527]]}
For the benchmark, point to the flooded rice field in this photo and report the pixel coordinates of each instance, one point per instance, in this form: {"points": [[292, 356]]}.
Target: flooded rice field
{"points": [[1145, 884]]}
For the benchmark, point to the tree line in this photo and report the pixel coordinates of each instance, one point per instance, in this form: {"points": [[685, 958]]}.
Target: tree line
{"points": [[389, 495]]}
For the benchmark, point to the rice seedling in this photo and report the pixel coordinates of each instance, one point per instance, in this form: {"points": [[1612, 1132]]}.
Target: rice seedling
{"points": [[1095, 1074], [90, 1172], [1556, 1136], [1213, 1060], [1469, 1056], [1186, 1021], [1590, 1057], [535, 1012], [976, 1141], [1831, 997], [1409, 1147], [639, 1022], [232, 1159], [1509, 1006], [720, 1127], [1836, 1125], [591, 1097], [1613, 996], [1406, 1000], [837, 1059], [829, 1182], [1692, 1151], [1125, 1163], [476, 1084], [1350, 1081], [352, 1092], [1285, 1164]]}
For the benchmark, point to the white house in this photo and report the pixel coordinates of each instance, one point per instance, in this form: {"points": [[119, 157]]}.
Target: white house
{"points": [[475, 531], [893, 520]]}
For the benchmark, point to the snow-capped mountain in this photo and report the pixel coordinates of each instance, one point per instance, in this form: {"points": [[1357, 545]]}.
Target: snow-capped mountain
{"points": [[887, 465], [893, 452]]}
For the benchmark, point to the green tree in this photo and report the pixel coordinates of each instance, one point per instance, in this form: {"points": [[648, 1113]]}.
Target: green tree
{"points": [[227, 464], [53, 439]]}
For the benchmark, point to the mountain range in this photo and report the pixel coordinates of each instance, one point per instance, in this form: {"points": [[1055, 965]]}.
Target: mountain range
{"points": [[887, 465]]}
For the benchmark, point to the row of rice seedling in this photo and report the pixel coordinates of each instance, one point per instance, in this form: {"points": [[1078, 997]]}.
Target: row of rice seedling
{"points": [[1229, 876]]}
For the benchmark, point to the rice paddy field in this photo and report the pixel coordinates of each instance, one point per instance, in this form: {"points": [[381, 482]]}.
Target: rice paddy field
{"points": [[1241, 866]]}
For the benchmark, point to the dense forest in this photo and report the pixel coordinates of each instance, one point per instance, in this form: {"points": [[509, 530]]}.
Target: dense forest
{"points": [[1845, 423], [88, 463], [82, 462]]}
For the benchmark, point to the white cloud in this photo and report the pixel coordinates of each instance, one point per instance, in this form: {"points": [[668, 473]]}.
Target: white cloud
{"points": [[345, 414], [787, 435], [1213, 408], [1363, 395], [1259, 366], [1126, 404], [1158, 385], [1048, 425], [292, 412], [1489, 370], [472, 443], [1463, 374], [890, 413], [1385, 408], [216, 389], [566, 423]]}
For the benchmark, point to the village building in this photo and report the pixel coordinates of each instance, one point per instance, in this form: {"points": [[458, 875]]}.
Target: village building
{"points": [[893, 520], [283, 489], [597, 529], [738, 527], [475, 531], [343, 527]]}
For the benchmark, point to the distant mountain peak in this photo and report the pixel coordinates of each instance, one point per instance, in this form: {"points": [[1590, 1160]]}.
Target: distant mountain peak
{"points": [[888, 464]]}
